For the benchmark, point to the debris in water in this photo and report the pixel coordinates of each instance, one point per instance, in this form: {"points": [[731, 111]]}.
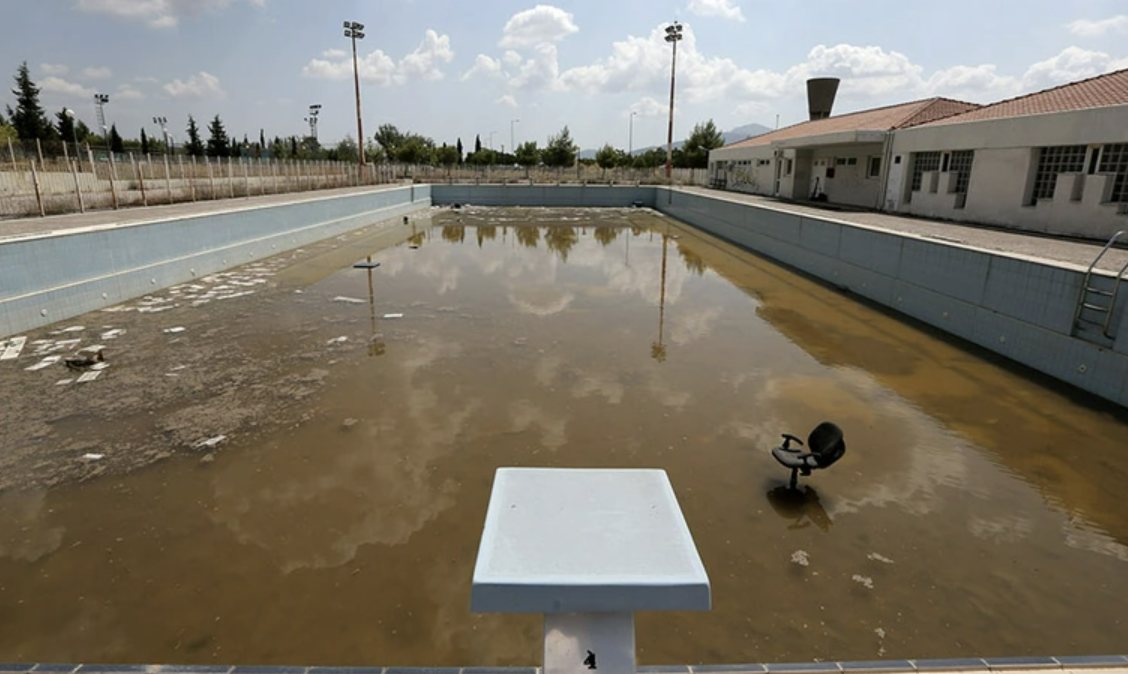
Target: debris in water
{"points": [[11, 349], [156, 310], [208, 458], [112, 334], [393, 315], [46, 362], [173, 331], [879, 558], [74, 328], [350, 422], [863, 580], [88, 377], [93, 457], [297, 292], [413, 247], [63, 382], [366, 265], [880, 633], [800, 557], [337, 340], [210, 442], [347, 300]]}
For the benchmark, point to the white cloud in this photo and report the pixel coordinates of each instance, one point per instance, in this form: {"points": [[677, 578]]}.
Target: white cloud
{"points": [[543, 24], [512, 58], [648, 107], [102, 73], [156, 13], [423, 62], [1090, 28], [972, 83], [147, 80], [378, 67], [725, 9], [484, 65], [126, 92], [507, 100], [61, 87], [200, 85], [1073, 63], [539, 72], [53, 69]]}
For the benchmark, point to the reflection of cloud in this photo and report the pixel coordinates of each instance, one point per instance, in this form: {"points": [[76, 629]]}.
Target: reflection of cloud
{"points": [[524, 415], [668, 395], [547, 369], [693, 324], [540, 301], [1000, 529], [599, 383], [24, 534]]}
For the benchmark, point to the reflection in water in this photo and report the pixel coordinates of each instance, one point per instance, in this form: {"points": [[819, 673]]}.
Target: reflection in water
{"points": [[561, 239], [376, 345], [606, 235], [486, 233], [454, 233], [529, 236], [693, 261], [658, 349], [800, 506]]}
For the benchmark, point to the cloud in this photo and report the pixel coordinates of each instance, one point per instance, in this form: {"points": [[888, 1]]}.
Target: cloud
{"points": [[1090, 28], [724, 9], [200, 85], [126, 92], [1072, 63], [507, 100], [61, 87], [102, 73], [53, 69], [156, 13], [648, 107], [484, 65], [378, 67], [543, 24], [512, 58]]}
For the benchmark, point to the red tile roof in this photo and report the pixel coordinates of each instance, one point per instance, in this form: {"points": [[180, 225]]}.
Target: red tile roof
{"points": [[878, 119], [1096, 92]]}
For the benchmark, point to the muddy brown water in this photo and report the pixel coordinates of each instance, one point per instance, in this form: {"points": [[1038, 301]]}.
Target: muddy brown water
{"points": [[978, 510]]}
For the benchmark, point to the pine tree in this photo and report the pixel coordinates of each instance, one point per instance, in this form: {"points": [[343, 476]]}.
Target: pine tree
{"points": [[477, 144], [29, 119], [195, 147], [262, 138], [144, 142], [217, 139], [459, 148], [293, 147], [64, 125], [117, 145]]}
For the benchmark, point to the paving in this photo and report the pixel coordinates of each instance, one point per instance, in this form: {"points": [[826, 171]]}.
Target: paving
{"points": [[60, 223], [1053, 249]]}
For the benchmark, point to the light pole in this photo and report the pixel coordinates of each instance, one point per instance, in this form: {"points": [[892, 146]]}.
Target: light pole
{"points": [[163, 123], [512, 138], [100, 100], [314, 111], [673, 36], [74, 130], [630, 135], [355, 31]]}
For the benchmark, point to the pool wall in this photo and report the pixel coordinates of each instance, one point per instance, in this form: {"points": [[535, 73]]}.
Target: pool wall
{"points": [[53, 277], [1019, 307]]}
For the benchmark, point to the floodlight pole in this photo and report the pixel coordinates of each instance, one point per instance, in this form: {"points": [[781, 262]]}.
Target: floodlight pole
{"points": [[354, 31], [673, 36]]}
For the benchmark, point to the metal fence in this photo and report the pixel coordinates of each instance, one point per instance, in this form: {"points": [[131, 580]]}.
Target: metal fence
{"points": [[35, 185]]}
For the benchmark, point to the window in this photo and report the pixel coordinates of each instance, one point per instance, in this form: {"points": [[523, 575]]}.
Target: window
{"points": [[840, 161], [787, 167], [874, 170], [851, 161], [1114, 159], [922, 162], [763, 162], [1051, 162], [897, 159], [960, 164]]}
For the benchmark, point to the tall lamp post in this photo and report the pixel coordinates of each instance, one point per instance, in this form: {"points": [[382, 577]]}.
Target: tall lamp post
{"points": [[100, 100], [74, 130], [355, 31], [673, 36], [314, 111], [163, 123], [630, 135], [512, 137]]}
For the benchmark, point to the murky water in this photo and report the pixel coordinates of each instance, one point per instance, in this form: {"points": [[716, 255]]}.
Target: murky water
{"points": [[976, 512]]}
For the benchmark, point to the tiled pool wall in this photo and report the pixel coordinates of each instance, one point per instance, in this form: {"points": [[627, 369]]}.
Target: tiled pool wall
{"points": [[1095, 663], [53, 277]]}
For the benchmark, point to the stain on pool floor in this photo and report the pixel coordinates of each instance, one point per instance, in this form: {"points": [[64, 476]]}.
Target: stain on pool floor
{"points": [[977, 511]]}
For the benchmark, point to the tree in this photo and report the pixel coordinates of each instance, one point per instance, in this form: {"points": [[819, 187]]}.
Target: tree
{"points": [[606, 157], [416, 150], [390, 138], [477, 144], [346, 149], [117, 145], [459, 147], [144, 142], [217, 139], [262, 138], [447, 155], [293, 147], [194, 148], [83, 131], [561, 150], [64, 125], [528, 154], [28, 119], [8, 133], [705, 137]]}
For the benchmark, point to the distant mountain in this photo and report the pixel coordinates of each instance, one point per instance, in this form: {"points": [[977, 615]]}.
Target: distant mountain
{"points": [[733, 136]]}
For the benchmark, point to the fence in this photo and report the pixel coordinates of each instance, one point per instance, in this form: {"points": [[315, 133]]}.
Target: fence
{"points": [[36, 183]]}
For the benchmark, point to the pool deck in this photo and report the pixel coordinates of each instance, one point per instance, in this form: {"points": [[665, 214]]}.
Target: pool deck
{"points": [[1082, 664]]}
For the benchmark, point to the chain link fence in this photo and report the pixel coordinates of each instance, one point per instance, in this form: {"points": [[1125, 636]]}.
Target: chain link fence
{"points": [[40, 179]]}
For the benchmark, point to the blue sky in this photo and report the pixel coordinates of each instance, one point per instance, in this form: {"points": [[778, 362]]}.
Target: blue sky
{"points": [[450, 68]]}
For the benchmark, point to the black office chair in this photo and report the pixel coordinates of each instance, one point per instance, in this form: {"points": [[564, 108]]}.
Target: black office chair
{"points": [[826, 446]]}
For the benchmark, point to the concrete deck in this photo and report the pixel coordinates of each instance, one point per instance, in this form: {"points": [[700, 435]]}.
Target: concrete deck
{"points": [[21, 227], [1049, 248]]}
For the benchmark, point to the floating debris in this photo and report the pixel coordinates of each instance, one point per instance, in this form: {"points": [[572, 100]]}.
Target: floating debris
{"points": [[801, 558], [366, 265], [89, 456], [863, 580], [393, 315], [172, 331], [64, 382], [11, 349], [112, 334], [88, 377], [46, 362], [74, 328], [210, 442], [337, 340], [156, 310], [347, 300], [879, 558]]}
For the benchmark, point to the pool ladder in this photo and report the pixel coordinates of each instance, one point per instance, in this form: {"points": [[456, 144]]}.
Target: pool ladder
{"points": [[1090, 295]]}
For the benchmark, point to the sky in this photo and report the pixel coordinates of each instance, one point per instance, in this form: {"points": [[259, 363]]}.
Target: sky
{"points": [[514, 71]]}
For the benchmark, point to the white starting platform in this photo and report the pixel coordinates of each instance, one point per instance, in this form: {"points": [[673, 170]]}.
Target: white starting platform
{"points": [[587, 548]]}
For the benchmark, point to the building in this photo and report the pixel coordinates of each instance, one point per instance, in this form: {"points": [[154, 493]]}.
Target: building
{"points": [[1054, 161]]}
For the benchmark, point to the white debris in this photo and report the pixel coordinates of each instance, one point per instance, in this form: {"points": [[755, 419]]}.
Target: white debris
{"points": [[93, 457], [178, 368], [234, 295], [347, 300], [879, 558], [337, 340], [880, 633], [801, 558], [88, 377], [173, 331], [93, 348], [64, 382], [46, 362], [297, 292], [863, 580], [67, 342], [393, 315], [155, 310], [112, 334], [74, 328], [211, 442], [12, 348], [99, 366]]}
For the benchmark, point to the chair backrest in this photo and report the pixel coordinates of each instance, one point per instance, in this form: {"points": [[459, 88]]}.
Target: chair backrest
{"points": [[826, 444]]}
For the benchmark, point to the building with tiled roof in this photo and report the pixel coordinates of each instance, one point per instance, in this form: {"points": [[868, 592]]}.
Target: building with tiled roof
{"points": [[1053, 161]]}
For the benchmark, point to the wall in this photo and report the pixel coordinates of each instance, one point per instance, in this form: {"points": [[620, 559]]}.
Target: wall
{"points": [[849, 185], [1001, 172], [542, 195], [53, 277], [1019, 308]]}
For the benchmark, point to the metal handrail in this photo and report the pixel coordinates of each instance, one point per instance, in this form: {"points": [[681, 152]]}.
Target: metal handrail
{"points": [[1112, 300], [1088, 275]]}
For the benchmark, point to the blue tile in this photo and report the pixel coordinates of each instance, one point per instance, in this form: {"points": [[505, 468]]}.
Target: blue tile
{"points": [[1092, 660], [1023, 662], [753, 667], [948, 664], [800, 667], [346, 670], [113, 668], [878, 666], [16, 666], [49, 667], [422, 670], [255, 669], [500, 670], [194, 669]]}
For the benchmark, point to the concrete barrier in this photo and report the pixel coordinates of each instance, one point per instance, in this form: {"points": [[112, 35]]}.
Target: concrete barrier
{"points": [[50, 278]]}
